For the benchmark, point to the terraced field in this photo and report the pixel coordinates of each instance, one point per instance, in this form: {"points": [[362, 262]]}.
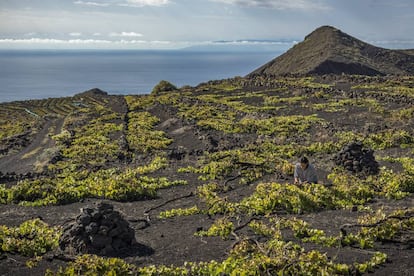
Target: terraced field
{"points": [[204, 175]]}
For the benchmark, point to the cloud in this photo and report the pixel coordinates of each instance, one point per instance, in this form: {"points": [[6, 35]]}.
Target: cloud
{"points": [[6, 43], [34, 40], [153, 42], [143, 3], [95, 4], [52, 41], [126, 34], [393, 44], [124, 3], [278, 4], [250, 42], [26, 41], [391, 41], [75, 34]]}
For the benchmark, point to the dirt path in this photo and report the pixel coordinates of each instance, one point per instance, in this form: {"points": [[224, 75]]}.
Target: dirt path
{"points": [[25, 160]]}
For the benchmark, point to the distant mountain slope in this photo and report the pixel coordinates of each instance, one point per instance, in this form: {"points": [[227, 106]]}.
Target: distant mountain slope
{"points": [[408, 51], [328, 50]]}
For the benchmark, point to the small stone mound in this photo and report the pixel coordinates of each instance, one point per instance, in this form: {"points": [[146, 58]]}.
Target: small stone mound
{"points": [[356, 159], [92, 92], [99, 230]]}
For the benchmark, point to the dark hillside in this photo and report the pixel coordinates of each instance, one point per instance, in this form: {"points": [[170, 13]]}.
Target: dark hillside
{"points": [[201, 179], [328, 50]]}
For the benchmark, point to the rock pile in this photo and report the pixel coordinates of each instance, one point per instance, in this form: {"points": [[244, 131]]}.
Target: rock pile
{"points": [[357, 159], [99, 230]]}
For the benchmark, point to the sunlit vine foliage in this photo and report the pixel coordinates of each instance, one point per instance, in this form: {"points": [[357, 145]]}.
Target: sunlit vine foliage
{"points": [[31, 238], [68, 186], [275, 255], [141, 135], [100, 151]]}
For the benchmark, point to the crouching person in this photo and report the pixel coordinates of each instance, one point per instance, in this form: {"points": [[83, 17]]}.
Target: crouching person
{"points": [[305, 172]]}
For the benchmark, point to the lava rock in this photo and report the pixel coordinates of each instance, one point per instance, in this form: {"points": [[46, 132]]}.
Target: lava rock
{"points": [[357, 159], [100, 230]]}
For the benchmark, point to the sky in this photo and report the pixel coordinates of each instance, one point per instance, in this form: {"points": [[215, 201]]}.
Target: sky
{"points": [[174, 24]]}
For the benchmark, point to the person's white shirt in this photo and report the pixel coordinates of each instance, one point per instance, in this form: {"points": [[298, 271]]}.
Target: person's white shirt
{"points": [[307, 174]]}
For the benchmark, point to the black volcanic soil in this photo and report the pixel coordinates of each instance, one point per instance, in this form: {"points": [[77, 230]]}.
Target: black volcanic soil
{"points": [[24, 161], [171, 241]]}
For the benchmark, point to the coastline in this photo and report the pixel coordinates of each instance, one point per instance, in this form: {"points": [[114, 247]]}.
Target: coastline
{"points": [[40, 74]]}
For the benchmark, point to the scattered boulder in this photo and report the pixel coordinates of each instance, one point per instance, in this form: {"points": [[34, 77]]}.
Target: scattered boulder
{"points": [[100, 230], [356, 159]]}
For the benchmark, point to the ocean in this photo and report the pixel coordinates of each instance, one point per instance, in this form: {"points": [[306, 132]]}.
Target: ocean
{"points": [[39, 74]]}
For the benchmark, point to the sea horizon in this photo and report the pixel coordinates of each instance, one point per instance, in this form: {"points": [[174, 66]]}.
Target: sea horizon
{"points": [[29, 74]]}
